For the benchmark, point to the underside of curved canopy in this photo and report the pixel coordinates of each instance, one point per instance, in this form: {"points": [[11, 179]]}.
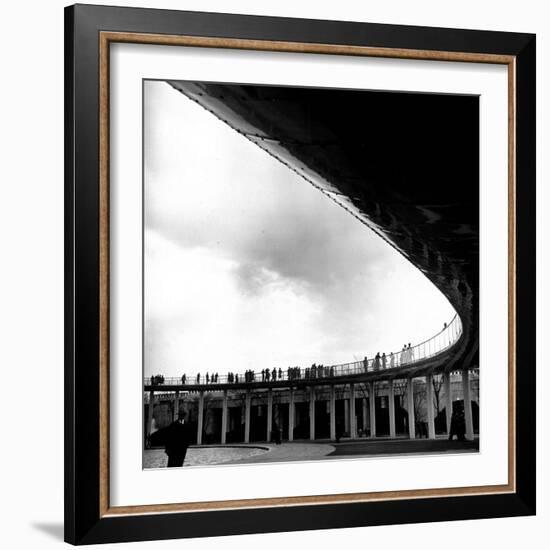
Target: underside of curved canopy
{"points": [[405, 164]]}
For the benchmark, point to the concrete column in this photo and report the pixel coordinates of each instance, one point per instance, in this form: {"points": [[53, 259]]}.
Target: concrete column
{"points": [[247, 417], [224, 417], [176, 405], [448, 400], [346, 415], [430, 406], [332, 413], [391, 407], [275, 416], [352, 417], [312, 413], [372, 410], [364, 403], [269, 413], [410, 407], [291, 414], [467, 404], [149, 415], [201, 418]]}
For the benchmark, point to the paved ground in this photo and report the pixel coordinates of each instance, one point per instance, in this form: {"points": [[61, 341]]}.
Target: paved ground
{"points": [[204, 456], [403, 447], [290, 452], [306, 451]]}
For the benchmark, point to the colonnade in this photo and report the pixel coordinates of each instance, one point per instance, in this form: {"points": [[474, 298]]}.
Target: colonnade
{"points": [[350, 414]]}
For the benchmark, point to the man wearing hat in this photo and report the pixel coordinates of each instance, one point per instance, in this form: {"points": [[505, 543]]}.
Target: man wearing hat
{"points": [[177, 440]]}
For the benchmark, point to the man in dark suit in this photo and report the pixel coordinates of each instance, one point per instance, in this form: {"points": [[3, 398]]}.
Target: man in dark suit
{"points": [[177, 440], [458, 422]]}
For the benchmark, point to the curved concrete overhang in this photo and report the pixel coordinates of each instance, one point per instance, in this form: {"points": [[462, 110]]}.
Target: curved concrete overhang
{"points": [[405, 164]]}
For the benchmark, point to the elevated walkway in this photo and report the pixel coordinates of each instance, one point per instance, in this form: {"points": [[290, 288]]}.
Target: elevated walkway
{"points": [[429, 357]]}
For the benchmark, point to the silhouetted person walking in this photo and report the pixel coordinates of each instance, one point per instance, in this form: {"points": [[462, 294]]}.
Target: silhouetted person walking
{"points": [[178, 439], [458, 424]]}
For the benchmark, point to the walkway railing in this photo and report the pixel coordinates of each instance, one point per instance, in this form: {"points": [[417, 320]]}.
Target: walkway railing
{"points": [[435, 345]]}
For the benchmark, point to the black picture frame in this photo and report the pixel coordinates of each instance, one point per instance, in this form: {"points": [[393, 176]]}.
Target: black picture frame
{"points": [[84, 522]]}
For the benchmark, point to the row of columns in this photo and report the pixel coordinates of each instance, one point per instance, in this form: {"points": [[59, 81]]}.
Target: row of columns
{"points": [[349, 414], [467, 396]]}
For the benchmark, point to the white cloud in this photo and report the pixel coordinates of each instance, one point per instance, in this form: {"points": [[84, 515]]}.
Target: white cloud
{"points": [[249, 266]]}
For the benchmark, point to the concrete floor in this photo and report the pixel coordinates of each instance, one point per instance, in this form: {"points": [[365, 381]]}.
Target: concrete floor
{"points": [[402, 446], [308, 451]]}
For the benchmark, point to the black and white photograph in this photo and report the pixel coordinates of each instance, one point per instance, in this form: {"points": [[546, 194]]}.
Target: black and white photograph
{"points": [[310, 274], [275, 275]]}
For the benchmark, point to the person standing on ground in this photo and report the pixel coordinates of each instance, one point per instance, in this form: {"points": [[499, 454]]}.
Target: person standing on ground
{"points": [[177, 440], [458, 423]]}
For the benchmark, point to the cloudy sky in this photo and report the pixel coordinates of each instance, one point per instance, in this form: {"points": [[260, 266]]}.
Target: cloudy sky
{"points": [[248, 266]]}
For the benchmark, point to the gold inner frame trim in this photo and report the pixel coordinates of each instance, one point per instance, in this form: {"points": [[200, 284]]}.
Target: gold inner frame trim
{"points": [[105, 39]]}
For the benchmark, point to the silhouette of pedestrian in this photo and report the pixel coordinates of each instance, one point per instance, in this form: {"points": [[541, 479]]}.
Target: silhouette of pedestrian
{"points": [[177, 440], [458, 423]]}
